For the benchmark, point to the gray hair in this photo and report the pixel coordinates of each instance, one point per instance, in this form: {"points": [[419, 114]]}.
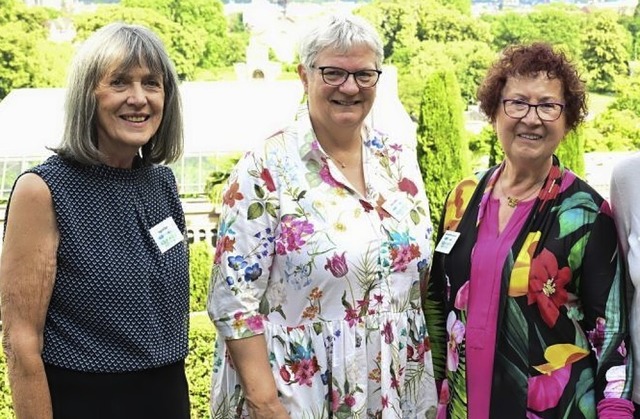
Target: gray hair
{"points": [[126, 46], [340, 33]]}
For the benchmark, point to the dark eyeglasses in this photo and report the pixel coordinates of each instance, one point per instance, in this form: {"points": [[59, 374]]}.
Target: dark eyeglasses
{"points": [[336, 76], [518, 109]]}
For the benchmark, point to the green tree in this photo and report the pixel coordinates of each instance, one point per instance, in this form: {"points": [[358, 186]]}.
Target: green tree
{"points": [[571, 151], [470, 60], [417, 64], [184, 46], [509, 28], [441, 146], [204, 18], [394, 20], [23, 48], [627, 95], [559, 24], [17, 52], [605, 55], [442, 24], [460, 6]]}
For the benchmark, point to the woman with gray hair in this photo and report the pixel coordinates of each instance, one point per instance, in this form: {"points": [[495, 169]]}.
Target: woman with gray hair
{"points": [[324, 240], [94, 279]]}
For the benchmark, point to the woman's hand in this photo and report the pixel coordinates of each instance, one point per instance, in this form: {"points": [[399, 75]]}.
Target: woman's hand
{"points": [[271, 410], [250, 358]]}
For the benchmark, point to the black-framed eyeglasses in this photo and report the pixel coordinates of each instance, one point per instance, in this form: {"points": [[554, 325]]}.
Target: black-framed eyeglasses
{"points": [[518, 109], [336, 76]]}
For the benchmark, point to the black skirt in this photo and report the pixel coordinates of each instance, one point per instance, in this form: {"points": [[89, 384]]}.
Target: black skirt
{"points": [[153, 393]]}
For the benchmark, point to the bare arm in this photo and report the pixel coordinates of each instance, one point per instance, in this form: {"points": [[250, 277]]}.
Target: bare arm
{"points": [[250, 359], [27, 274]]}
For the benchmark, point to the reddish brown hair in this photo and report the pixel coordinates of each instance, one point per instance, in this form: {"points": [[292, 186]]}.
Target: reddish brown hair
{"points": [[531, 60]]}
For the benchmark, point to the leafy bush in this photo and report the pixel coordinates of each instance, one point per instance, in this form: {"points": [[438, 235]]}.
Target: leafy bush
{"points": [[6, 410], [198, 365], [613, 130], [200, 260]]}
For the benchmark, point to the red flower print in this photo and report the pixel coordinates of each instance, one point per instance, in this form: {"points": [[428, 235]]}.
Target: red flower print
{"points": [[367, 206], [265, 175], [232, 195], [304, 369], [335, 400], [387, 332], [547, 286], [407, 185], [349, 400], [285, 374]]}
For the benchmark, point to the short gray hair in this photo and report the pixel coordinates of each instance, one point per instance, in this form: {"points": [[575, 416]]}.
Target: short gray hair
{"points": [[340, 32], [127, 46]]}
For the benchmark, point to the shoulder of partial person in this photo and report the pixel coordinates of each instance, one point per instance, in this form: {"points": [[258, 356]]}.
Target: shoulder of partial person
{"points": [[627, 168]]}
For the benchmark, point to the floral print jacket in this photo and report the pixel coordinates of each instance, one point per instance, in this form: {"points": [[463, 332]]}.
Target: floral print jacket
{"points": [[330, 277], [562, 343]]}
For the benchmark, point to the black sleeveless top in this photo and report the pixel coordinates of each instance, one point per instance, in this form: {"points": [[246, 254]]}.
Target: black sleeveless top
{"points": [[118, 304]]}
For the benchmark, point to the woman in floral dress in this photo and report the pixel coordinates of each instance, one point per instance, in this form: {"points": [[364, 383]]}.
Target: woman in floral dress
{"points": [[324, 240], [527, 289]]}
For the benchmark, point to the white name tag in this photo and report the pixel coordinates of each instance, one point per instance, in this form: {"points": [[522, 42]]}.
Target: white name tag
{"points": [[447, 241], [399, 208], [166, 234]]}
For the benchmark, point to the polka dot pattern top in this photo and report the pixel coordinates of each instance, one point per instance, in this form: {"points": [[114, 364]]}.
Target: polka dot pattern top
{"points": [[118, 304]]}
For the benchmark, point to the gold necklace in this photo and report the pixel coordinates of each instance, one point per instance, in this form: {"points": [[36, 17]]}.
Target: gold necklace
{"points": [[336, 160], [513, 201], [340, 162]]}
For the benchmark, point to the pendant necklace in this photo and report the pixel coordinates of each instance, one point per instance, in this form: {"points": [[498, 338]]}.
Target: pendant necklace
{"points": [[342, 165], [513, 201], [336, 160]]}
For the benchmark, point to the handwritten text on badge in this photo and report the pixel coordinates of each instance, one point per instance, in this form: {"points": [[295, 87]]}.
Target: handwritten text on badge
{"points": [[447, 241], [166, 234]]}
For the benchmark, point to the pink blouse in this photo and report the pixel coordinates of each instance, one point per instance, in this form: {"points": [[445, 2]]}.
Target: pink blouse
{"points": [[487, 260]]}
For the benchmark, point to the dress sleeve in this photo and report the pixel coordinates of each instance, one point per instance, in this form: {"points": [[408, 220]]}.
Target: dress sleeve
{"points": [[620, 208], [244, 250], [605, 322]]}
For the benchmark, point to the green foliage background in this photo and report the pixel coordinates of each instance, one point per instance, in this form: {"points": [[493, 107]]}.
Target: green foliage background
{"points": [[442, 154], [200, 262]]}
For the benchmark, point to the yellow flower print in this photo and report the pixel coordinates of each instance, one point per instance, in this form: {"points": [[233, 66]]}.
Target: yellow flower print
{"points": [[519, 282], [457, 202], [340, 227], [559, 356]]}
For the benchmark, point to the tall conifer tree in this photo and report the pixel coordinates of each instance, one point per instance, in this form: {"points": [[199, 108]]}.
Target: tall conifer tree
{"points": [[442, 147]]}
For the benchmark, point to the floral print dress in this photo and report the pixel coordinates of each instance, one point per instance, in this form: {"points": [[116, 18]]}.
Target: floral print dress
{"points": [[562, 343], [331, 278]]}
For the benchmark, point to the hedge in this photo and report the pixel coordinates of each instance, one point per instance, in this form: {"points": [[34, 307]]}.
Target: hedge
{"points": [[199, 361]]}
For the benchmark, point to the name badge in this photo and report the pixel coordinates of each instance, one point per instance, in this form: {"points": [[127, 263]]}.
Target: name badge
{"points": [[166, 234], [447, 241], [399, 208]]}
